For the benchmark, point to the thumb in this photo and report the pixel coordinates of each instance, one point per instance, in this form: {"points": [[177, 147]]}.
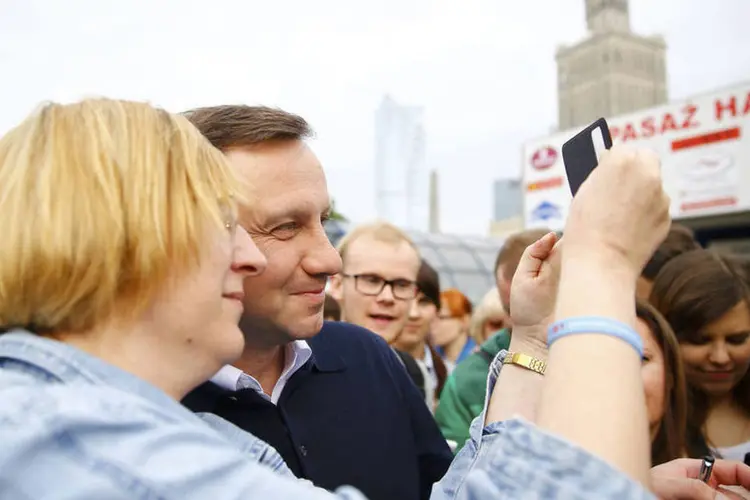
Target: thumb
{"points": [[535, 254], [683, 488]]}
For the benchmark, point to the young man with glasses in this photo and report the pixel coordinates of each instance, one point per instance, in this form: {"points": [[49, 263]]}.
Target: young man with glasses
{"points": [[378, 284]]}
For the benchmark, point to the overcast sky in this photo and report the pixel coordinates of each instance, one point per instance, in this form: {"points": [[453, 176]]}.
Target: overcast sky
{"points": [[483, 69]]}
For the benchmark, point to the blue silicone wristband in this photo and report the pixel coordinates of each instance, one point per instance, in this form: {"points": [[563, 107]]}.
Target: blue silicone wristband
{"points": [[596, 325]]}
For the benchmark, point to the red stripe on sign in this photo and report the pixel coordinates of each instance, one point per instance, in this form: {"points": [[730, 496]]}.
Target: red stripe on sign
{"points": [[545, 184], [702, 205], [702, 140]]}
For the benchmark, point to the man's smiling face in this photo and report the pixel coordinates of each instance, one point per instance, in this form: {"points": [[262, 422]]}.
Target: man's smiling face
{"points": [[288, 201], [371, 261]]}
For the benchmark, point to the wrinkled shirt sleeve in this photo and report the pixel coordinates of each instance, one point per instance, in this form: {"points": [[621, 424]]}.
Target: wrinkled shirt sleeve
{"points": [[515, 459], [72, 441], [254, 448]]}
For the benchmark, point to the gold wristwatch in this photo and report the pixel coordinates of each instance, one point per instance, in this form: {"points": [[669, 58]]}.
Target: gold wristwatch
{"points": [[526, 361]]}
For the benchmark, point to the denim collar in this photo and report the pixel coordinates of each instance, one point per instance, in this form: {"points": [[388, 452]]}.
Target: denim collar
{"points": [[59, 361]]}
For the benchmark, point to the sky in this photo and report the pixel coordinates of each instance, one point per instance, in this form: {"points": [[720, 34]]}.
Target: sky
{"points": [[483, 70]]}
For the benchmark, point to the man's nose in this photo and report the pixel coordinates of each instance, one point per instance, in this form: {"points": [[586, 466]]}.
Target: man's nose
{"points": [[386, 294], [322, 258]]}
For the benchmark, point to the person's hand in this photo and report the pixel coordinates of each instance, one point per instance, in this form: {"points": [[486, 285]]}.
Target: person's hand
{"points": [[533, 291], [677, 480], [621, 212]]}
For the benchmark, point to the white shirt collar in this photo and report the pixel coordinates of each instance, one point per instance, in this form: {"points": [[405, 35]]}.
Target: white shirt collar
{"points": [[428, 361], [296, 354]]}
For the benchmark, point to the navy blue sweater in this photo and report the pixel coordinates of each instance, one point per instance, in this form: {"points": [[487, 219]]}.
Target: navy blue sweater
{"points": [[350, 415]]}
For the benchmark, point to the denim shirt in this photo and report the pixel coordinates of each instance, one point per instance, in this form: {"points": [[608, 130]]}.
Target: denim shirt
{"points": [[73, 426]]}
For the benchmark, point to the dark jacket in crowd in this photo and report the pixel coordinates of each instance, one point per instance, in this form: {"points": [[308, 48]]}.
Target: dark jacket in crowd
{"points": [[350, 415]]}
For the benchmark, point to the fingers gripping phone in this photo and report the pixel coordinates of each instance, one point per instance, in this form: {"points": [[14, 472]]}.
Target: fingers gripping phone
{"points": [[579, 153]]}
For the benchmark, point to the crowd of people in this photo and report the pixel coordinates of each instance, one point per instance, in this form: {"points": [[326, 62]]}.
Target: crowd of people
{"points": [[176, 324], [693, 317]]}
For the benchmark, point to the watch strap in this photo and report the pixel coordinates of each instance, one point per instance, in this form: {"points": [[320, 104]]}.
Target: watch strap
{"points": [[524, 360]]}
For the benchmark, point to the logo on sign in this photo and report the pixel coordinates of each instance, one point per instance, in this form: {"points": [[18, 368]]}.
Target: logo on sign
{"points": [[545, 184], [543, 158], [546, 211]]}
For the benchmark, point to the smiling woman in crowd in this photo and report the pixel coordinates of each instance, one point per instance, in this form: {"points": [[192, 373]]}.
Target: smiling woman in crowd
{"points": [[488, 318], [705, 298], [664, 385]]}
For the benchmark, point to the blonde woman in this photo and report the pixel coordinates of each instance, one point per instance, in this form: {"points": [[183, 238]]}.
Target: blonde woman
{"points": [[488, 318], [121, 278]]}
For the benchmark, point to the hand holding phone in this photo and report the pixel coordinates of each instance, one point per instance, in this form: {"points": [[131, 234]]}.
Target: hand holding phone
{"points": [[579, 153]]}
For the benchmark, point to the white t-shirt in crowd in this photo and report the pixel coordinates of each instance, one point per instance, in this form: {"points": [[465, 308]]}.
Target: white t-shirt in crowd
{"points": [[736, 452]]}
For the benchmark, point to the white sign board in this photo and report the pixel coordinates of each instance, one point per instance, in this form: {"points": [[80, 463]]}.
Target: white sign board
{"points": [[703, 143]]}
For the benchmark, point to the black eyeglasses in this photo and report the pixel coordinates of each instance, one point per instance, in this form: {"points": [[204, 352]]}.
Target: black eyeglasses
{"points": [[372, 284]]}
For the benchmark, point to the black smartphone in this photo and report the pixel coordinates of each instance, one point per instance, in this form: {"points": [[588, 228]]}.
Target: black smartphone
{"points": [[579, 153]]}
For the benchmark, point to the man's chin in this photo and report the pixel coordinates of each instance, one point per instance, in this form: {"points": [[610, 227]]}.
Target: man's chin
{"points": [[305, 328]]}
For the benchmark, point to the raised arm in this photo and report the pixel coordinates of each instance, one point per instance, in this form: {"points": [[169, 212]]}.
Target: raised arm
{"points": [[533, 297], [593, 394]]}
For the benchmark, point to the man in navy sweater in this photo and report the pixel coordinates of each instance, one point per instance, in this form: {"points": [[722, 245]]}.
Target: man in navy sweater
{"points": [[332, 398]]}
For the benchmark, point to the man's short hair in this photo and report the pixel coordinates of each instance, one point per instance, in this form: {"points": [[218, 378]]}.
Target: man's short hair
{"points": [[680, 239], [513, 248], [428, 282], [384, 232], [238, 126]]}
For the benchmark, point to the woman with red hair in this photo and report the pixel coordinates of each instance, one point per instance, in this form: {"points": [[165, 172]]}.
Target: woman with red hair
{"points": [[450, 333]]}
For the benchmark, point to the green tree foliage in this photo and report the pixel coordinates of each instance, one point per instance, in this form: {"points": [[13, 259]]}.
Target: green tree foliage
{"points": [[335, 214]]}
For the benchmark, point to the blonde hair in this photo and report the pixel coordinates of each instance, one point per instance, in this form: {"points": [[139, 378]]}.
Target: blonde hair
{"points": [[103, 201], [488, 307], [384, 232]]}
